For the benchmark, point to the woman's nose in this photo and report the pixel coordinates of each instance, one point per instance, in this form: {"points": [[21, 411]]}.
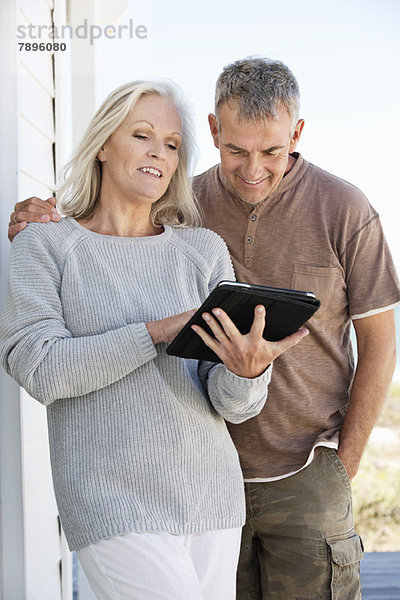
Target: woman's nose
{"points": [[157, 150]]}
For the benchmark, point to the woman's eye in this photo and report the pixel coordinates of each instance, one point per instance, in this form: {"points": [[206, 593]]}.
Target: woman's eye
{"points": [[172, 146], [139, 136]]}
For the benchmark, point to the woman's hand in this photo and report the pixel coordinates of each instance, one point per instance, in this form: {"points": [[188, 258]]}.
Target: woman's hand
{"points": [[29, 211], [245, 355], [166, 329]]}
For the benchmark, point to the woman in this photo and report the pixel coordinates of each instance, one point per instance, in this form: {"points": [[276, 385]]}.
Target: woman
{"points": [[146, 477]]}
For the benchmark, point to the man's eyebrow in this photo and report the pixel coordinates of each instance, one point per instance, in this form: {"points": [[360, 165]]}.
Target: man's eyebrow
{"points": [[230, 146], [233, 147], [273, 148]]}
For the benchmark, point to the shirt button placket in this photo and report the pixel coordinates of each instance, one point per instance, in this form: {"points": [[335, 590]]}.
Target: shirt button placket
{"points": [[249, 241]]}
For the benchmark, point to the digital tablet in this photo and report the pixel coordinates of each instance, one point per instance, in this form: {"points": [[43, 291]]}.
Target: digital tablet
{"points": [[287, 311]]}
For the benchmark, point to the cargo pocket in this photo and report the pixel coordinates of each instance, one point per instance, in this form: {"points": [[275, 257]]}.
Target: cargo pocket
{"points": [[346, 553]]}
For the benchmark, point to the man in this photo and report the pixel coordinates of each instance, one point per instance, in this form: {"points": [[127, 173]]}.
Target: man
{"points": [[287, 223]]}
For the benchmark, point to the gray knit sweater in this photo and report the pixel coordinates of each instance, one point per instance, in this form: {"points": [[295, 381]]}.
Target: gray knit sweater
{"points": [[138, 440]]}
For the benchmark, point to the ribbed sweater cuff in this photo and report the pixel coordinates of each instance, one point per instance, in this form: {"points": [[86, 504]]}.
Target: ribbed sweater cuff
{"points": [[235, 382], [237, 398], [136, 344]]}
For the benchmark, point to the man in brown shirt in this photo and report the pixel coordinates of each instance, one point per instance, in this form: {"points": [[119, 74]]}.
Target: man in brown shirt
{"points": [[290, 224]]}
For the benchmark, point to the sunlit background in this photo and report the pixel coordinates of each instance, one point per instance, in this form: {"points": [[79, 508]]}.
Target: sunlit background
{"points": [[345, 55]]}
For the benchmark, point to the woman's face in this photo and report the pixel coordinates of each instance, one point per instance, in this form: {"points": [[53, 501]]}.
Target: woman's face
{"points": [[140, 157]]}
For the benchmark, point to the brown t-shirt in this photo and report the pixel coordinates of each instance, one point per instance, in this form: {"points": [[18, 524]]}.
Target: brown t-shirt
{"points": [[316, 233]]}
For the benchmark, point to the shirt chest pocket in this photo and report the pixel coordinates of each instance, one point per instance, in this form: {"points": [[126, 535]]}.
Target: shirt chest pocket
{"points": [[325, 282]]}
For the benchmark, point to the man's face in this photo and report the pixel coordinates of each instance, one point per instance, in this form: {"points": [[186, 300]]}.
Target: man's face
{"points": [[254, 156]]}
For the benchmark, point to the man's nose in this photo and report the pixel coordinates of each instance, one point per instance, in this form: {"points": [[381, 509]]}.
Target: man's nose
{"points": [[253, 168]]}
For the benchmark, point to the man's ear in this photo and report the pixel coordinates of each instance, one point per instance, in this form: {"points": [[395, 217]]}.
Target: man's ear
{"points": [[296, 135], [213, 123]]}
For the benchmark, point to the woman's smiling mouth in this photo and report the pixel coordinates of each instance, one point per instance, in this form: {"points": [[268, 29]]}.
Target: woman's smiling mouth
{"points": [[151, 171]]}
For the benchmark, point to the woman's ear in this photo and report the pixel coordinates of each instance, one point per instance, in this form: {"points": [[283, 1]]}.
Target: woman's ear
{"points": [[101, 155]]}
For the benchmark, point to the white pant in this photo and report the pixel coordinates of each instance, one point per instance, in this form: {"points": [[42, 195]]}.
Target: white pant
{"points": [[162, 566]]}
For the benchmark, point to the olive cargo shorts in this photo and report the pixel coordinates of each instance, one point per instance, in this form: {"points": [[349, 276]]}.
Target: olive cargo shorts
{"points": [[299, 541]]}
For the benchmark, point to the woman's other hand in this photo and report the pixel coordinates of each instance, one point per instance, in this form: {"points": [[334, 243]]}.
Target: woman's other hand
{"points": [[245, 355], [166, 329]]}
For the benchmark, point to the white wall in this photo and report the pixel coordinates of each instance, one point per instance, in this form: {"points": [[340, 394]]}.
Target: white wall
{"points": [[34, 562], [11, 505]]}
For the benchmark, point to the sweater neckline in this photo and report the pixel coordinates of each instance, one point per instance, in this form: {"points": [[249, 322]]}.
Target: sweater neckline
{"points": [[117, 239]]}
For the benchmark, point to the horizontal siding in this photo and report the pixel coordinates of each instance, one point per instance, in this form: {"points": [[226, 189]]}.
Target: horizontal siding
{"points": [[38, 63], [47, 590], [38, 494], [44, 572], [29, 186], [35, 103], [37, 11], [41, 516], [36, 139], [35, 154]]}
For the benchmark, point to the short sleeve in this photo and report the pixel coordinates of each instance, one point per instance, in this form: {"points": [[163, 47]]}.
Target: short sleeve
{"points": [[371, 278]]}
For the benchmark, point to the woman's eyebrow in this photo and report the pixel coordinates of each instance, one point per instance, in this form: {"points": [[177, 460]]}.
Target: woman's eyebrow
{"points": [[152, 126]]}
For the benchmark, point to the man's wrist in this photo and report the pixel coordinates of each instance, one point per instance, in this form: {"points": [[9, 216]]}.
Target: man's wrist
{"points": [[350, 461]]}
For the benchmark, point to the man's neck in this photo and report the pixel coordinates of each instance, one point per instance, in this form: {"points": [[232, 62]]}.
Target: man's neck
{"points": [[290, 164]]}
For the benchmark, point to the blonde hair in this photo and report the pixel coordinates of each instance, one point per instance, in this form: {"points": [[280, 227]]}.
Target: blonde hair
{"points": [[81, 178]]}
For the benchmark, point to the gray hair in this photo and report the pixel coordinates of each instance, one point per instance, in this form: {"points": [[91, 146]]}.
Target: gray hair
{"points": [[79, 192], [259, 87]]}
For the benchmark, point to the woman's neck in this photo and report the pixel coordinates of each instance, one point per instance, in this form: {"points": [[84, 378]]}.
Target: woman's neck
{"points": [[112, 218]]}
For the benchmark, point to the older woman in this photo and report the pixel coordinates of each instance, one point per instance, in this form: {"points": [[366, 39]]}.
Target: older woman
{"points": [[146, 477]]}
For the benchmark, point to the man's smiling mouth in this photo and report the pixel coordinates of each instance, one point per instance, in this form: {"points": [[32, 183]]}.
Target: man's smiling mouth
{"points": [[252, 182]]}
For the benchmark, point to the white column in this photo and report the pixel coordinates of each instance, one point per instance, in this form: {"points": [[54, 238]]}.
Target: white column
{"points": [[12, 559]]}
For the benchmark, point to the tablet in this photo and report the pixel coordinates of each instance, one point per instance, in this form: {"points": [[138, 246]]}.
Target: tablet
{"points": [[287, 311]]}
